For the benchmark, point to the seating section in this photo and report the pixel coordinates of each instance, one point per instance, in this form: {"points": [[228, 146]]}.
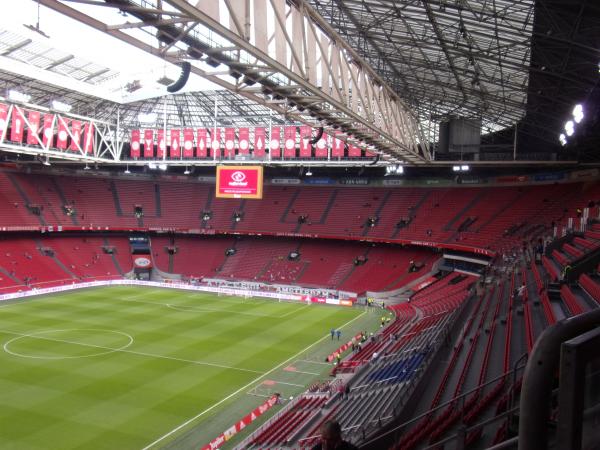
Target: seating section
{"points": [[500, 218], [45, 261]]}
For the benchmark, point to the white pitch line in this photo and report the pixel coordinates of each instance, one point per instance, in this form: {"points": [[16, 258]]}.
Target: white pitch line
{"points": [[292, 312], [243, 388], [289, 384], [192, 308], [133, 352], [300, 371]]}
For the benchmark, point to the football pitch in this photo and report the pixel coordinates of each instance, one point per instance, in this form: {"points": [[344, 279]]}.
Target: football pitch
{"points": [[136, 368]]}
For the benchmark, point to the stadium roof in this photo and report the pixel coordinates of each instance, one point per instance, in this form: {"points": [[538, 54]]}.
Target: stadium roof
{"points": [[503, 62]]}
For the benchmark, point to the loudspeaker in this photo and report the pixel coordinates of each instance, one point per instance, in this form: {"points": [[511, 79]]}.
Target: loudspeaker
{"points": [[186, 67], [319, 135]]}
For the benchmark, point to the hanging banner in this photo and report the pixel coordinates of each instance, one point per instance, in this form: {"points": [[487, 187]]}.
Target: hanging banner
{"points": [[149, 144], [321, 147], [88, 138], [34, 126], [239, 182], [63, 135], [188, 143], [289, 150], [259, 142], [201, 143], [337, 149], [244, 141], [48, 130], [162, 144], [18, 125], [354, 151], [3, 119], [76, 132], [175, 150], [215, 143], [229, 142], [275, 143], [370, 154], [305, 145], [135, 144]]}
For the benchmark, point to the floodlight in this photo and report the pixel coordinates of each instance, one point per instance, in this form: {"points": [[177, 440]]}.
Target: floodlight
{"points": [[456, 168], [563, 139], [86, 167], [127, 171], [187, 171], [464, 168], [399, 169], [308, 173], [18, 96], [570, 128], [578, 113], [60, 106], [47, 161], [162, 166], [149, 118], [151, 165]]}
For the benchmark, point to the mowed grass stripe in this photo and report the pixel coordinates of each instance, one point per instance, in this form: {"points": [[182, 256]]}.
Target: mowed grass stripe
{"points": [[125, 400]]}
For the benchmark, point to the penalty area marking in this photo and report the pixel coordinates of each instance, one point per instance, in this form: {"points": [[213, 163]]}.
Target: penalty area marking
{"points": [[223, 400], [39, 334]]}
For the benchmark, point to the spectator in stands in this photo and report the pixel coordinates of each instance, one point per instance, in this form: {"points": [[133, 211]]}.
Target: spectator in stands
{"points": [[331, 438]]}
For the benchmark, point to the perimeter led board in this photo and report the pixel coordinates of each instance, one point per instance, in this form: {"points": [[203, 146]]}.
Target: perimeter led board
{"points": [[239, 182]]}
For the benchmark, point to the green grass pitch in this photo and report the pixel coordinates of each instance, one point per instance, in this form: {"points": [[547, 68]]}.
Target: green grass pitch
{"points": [[122, 367]]}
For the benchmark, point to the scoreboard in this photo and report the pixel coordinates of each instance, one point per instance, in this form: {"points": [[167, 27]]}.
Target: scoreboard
{"points": [[239, 182]]}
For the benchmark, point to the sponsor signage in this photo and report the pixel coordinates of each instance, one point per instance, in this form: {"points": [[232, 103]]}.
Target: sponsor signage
{"points": [[355, 181], [240, 425], [550, 176], [320, 180], [239, 182], [285, 181], [512, 179]]}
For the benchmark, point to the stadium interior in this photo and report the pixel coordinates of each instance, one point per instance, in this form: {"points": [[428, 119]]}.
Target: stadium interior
{"points": [[435, 163]]}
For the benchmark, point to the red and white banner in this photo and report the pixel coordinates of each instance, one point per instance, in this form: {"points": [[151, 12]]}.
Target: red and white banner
{"points": [[321, 147], [76, 132], [305, 145], [188, 143], [239, 426], [215, 143], [88, 138], [229, 142], [149, 144], [34, 127], [18, 125], [135, 143], [162, 144], [370, 154], [63, 134], [175, 150], [244, 141], [239, 182], [48, 130], [275, 142], [289, 149], [259, 141], [344, 347], [337, 149], [3, 119], [201, 143], [354, 151]]}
